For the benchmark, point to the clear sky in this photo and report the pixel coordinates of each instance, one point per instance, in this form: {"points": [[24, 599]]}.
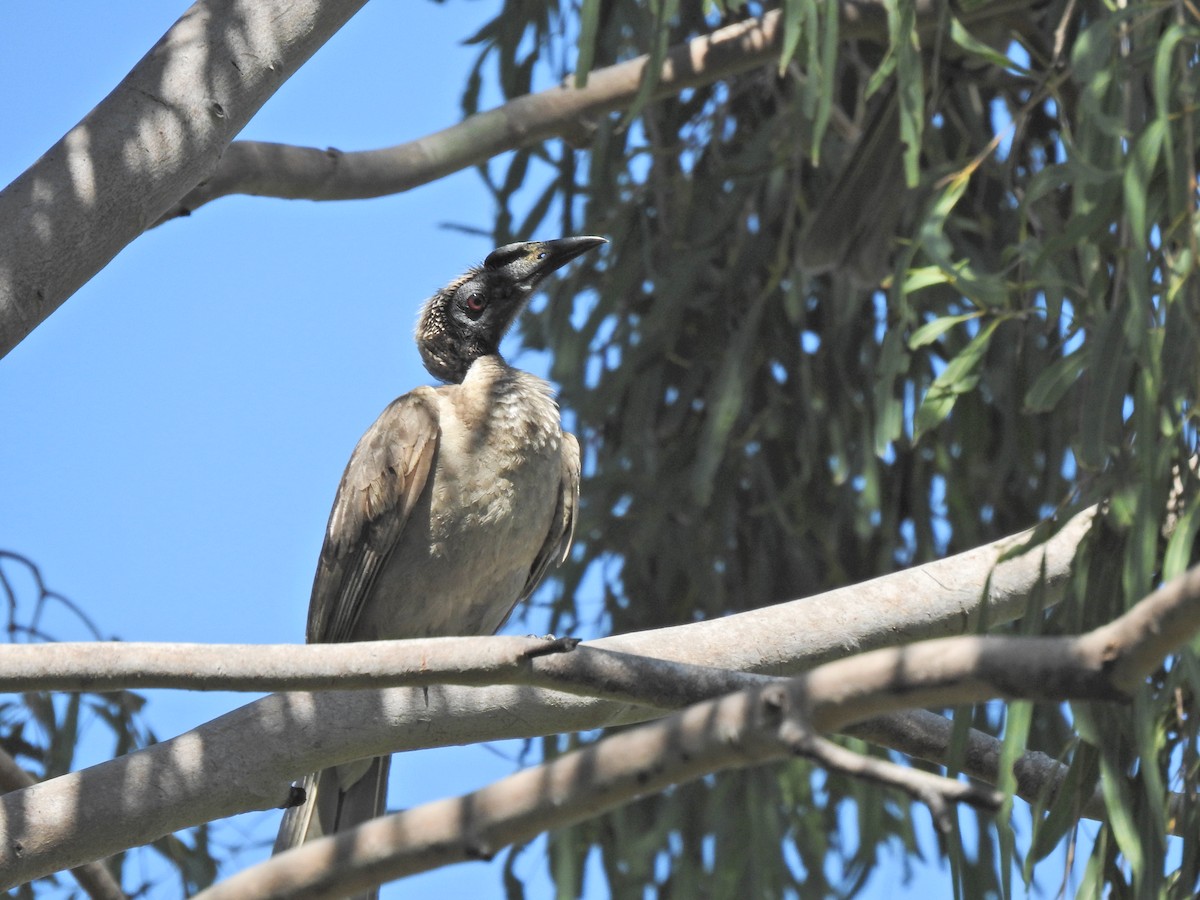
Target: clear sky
{"points": [[172, 436]]}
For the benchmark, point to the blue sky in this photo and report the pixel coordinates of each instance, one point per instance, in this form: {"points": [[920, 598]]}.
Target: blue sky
{"points": [[172, 436]]}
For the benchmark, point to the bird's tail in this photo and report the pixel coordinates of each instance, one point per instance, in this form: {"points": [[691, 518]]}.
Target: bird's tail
{"points": [[336, 799]]}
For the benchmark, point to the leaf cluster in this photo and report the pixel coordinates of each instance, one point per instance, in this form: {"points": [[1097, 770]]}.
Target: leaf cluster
{"points": [[894, 298]]}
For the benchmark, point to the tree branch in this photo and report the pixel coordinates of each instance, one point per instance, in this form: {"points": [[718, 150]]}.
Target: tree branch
{"points": [[279, 170], [165, 131], [120, 665], [933, 600], [936, 792], [265, 169], [1108, 663], [95, 879], [926, 735], [750, 727], [160, 131], [248, 758], [747, 728]]}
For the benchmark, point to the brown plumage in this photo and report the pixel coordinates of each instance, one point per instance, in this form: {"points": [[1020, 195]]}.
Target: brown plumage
{"points": [[452, 507]]}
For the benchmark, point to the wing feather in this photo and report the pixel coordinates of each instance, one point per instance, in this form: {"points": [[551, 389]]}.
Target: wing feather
{"points": [[383, 480], [562, 525]]}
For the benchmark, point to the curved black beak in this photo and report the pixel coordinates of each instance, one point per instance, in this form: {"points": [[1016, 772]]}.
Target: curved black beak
{"points": [[528, 263]]}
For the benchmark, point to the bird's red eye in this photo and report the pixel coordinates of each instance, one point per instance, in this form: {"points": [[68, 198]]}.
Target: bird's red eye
{"points": [[476, 302]]}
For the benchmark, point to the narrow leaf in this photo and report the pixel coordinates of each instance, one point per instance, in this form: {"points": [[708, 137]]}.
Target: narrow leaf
{"points": [[1063, 813], [1119, 804], [931, 331], [923, 277], [1138, 173], [1056, 379], [1179, 547], [911, 82], [825, 71], [967, 41], [1016, 735], [958, 377], [589, 23], [1105, 391], [793, 27]]}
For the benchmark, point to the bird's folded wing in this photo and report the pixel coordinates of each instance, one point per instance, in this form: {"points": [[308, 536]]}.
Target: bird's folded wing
{"points": [[562, 525], [382, 482]]}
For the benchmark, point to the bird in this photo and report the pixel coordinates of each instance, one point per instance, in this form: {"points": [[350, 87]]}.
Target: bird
{"points": [[453, 506]]}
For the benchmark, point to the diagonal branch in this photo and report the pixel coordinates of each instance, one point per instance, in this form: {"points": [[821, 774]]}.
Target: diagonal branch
{"points": [[935, 791], [247, 759], [166, 129], [159, 132], [265, 169], [279, 170], [925, 735], [747, 728], [93, 877], [1108, 663]]}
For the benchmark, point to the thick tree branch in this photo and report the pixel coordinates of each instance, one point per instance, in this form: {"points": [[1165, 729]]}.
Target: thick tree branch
{"points": [[938, 599], [166, 128], [747, 728], [160, 131], [750, 727], [1134, 645], [120, 665], [1106, 664], [95, 879], [933, 600], [267, 169], [247, 759], [280, 170]]}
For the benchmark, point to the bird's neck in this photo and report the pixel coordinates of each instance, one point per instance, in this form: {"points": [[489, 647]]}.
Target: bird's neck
{"points": [[494, 395], [490, 369]]}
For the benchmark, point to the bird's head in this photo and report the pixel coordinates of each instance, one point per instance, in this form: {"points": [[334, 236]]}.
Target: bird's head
{"points": [[466, 319]]}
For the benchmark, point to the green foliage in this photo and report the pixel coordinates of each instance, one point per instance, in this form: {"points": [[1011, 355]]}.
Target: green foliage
{"points": [[1006, 330]]}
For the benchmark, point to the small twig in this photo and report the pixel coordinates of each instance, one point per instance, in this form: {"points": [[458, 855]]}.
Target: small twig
{"points": [[1060, 33], [926, 735], [1045, 90], [44, 595], [937, 792]]}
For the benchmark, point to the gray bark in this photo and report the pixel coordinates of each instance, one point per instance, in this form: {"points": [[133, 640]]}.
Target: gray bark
{"points": [[246, 760], [160, 132]]}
